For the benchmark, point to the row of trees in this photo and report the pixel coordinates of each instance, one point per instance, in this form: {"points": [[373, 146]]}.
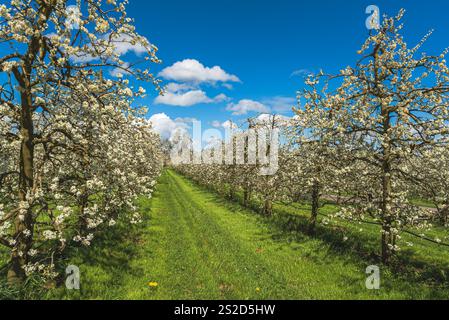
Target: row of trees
{"points": [[376, 133], [75, 153]]}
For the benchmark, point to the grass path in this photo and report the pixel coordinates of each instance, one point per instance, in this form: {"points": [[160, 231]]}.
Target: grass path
{"points": [[198, 246]]}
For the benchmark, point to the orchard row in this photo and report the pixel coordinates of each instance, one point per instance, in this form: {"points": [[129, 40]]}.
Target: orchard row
{"points": [[375, 134]]}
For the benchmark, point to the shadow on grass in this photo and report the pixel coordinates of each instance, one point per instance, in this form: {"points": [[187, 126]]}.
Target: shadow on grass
{"points": [[104, 264]]}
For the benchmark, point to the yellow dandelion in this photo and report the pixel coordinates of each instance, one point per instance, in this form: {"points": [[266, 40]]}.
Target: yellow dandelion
{"points": [[153, 284]]}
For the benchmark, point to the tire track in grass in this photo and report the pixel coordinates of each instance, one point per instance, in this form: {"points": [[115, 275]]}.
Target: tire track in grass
{"points": [[277, 272], [239, 270], [197, 248], [281, 272], [196, 245], [184, 276]]}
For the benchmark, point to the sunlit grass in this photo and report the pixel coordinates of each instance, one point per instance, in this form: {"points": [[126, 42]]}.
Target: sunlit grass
{"points": [[197, 245]]}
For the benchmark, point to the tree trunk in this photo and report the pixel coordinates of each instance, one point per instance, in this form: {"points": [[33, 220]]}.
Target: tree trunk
{"points": [[386, 207], [246, 197], [268, 207], [231, 193], [82, 221], [297, 196], [444, 214], [386, 252], [315, 207], [24, 220]]}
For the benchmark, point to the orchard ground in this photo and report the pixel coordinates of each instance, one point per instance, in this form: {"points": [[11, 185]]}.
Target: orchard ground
{"points": [[194, 244]]}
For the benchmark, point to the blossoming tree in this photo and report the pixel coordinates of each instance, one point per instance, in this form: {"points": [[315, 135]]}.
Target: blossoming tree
{"points": [[383, 112], [65, 128]]}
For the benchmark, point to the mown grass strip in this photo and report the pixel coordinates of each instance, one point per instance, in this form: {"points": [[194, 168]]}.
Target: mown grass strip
{"points": [[196, 245]]}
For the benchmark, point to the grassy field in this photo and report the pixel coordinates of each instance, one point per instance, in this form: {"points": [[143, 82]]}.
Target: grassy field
{"points": [[196, 245]]}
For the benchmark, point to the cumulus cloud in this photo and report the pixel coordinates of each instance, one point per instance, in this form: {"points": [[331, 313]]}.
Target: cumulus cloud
{"points": [[245, 106], [184, 95], [167, 127], [276, 104], [187, 77], [183, 99], [191, 70], [187, 99], [176, 87]]}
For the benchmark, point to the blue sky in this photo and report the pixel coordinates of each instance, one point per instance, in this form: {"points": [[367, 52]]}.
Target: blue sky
{"points": [[232, 59], [263, 43]]}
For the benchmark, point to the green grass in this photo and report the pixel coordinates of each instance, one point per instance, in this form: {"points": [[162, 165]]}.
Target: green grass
{"points": [[196, 245], [422, 203]]}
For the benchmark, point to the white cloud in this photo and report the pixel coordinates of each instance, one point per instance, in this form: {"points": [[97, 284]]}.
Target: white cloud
{"points": [[301, 73], [176, 87], [121, 44], [229, 125], [245, 106], [212, 137], [228, 86], [221, 98], [268, 119], [276, 104], [118, 72], [280, 104], [167, 127], [187, 99], [187, 77], [188, 121], [82, 58], [225, 125], [184, 95], [216, 124], [191, 70], [73, 19]]}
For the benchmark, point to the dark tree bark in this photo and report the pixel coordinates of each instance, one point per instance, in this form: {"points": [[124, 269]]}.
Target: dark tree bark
{"points": [[246, 197], [315, 208], [25, 219], [268, 207]]}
